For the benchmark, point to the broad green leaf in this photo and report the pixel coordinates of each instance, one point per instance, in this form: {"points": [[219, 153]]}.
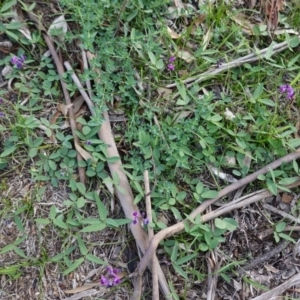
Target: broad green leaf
{"points": [[174, 252], [294, 42], [60, 223], [52, 212], [199, 188], [258, 91], [93, 228], [8, 5], [8, 151], [209, 194], [32, 152], [220, 223], [255, 284], [7, 248], [83, 249], [91, 221], [95, 259], [152, 58], [102, 211], [180, 271], [286, 237], [60, 256], [19, 252], [113, 159], [81, 188], [280, 226], [185, 259], [13, 25], [80, 202], [231, 224], [112, 222], [74, 266], [268, 102], [272, 187], [42, 221], [203, 247], [19, 223], [287, 181]]}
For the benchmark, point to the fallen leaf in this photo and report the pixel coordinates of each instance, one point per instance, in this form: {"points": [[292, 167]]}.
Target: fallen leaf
{"points": [[86, 155], [285, 198], [181, 115], [272, 8], [271, 269], [173, 34], [185, 55], [206, 38], [81, 288]]}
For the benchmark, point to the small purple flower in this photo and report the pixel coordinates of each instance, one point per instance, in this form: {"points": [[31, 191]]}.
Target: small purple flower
{"points": [[1, 100], [111, 278], [104, 281], [88, 142], [288, 90], [2, 114], [171, 66], [172, 59], [18, 61], [142, 216]]}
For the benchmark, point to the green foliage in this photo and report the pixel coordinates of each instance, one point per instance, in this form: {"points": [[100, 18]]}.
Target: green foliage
{"points": [[175, 136]]}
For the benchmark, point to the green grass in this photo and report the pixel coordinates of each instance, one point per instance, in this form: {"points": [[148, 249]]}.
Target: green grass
{"points": [[176, 135]]}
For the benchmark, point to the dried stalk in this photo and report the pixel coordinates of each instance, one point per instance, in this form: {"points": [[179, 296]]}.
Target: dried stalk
{"points": [[155, 289], [126, 199], [60, 70], [281, 213], [260, 54], [279, 290]]}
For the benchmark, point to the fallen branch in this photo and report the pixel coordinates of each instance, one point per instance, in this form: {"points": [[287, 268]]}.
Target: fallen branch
{"points": [[126, 197], [279, 290], [60, 70], [260, 54], [281, 213], [172, 230], [155, 289]]}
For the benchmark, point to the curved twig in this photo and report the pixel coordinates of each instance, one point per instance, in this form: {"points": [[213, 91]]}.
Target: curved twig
{"points": [[232, 187]]}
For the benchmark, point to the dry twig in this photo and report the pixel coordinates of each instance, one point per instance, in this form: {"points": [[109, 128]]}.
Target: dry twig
{"points": [[281, 213], [279, 290], [60, 70], [170, 231], [126, 199], [155, 289]]}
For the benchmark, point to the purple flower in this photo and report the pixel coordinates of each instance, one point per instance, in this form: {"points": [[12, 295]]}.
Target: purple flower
{"points": [[111, 278], [171, 66], [288, 90], [1, 100], [137, 217], [88, 142], [18, 61], [2, 114], [172, 59]]}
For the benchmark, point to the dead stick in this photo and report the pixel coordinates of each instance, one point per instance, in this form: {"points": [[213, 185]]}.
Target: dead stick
{"points": [[281, 213], [126, 199], [232, 187], [155, 289], [60, 70], [279, 290]]}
